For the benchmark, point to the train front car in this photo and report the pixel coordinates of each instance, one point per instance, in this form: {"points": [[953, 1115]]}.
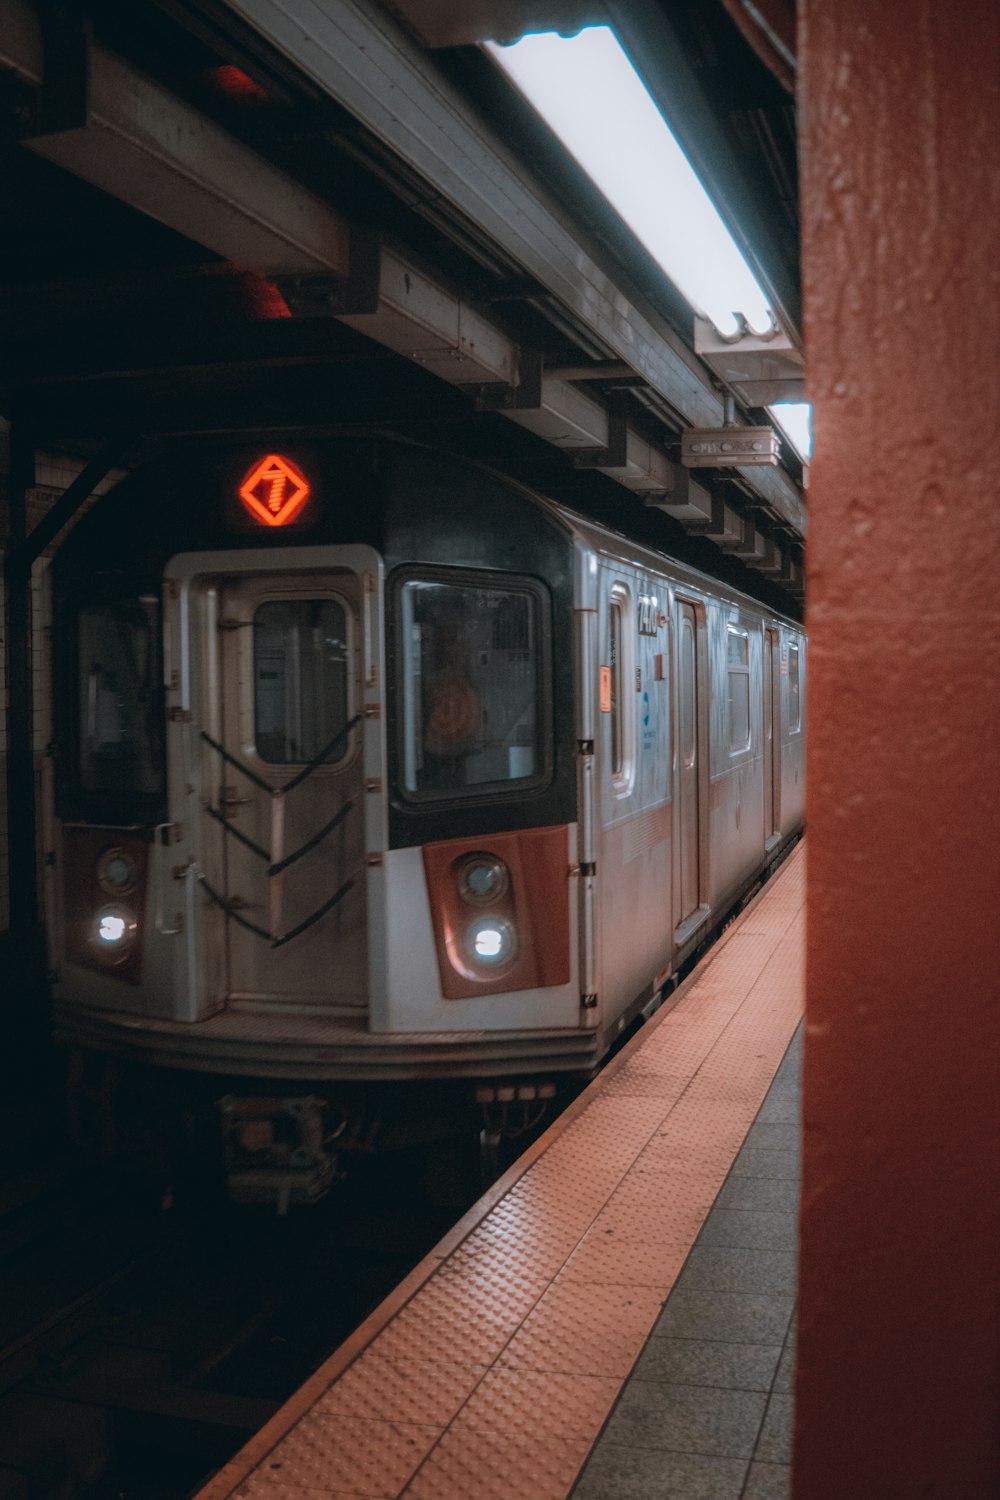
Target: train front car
{"points": [[386, 789], [314, 836]]}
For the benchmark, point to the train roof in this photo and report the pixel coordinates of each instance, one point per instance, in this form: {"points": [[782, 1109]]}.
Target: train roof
{"points": [[604, 539]]}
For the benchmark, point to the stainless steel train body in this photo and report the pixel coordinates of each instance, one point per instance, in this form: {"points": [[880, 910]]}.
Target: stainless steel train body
{"points": [[372, 766]]}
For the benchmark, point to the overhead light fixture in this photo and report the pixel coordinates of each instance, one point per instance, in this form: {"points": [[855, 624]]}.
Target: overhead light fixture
{"points": [[795, 420], [590, 95]]}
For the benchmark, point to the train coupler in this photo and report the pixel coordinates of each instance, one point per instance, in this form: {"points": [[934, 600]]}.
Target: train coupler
{"points": [[277, 1150]]}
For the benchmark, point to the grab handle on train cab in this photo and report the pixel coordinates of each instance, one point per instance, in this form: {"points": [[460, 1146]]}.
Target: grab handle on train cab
{"points": [[162, 841]]}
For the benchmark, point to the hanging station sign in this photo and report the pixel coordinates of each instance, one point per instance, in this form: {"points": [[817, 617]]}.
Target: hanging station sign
{"points": [[729, 447], [274, 491]]}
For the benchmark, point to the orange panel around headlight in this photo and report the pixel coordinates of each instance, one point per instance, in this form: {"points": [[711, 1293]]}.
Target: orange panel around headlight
{"points": [[535, 905]]}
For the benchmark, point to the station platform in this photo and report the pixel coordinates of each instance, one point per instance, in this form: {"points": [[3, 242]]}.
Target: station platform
{"points": [[614, 1318]]}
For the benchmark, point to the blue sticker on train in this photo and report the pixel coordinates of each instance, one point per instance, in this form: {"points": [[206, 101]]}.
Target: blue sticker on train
{"points": [[648, 730]]}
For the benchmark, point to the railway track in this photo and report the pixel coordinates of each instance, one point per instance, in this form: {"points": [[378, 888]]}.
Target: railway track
{"points": [[140, 1346]]}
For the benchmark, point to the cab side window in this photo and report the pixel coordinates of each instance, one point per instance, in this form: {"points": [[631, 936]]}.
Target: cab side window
{"points": [[474, 658], [118, 692]]}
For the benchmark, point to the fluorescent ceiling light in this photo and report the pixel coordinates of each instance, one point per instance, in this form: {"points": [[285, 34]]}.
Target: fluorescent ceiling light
{"points": [[591, 97], [795, 420]]}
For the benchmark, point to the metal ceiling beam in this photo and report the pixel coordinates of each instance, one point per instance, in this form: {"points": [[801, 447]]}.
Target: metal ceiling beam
{"points": [[25, 553], [436, 327], [143, 145], [370, 66], [156, 153]]}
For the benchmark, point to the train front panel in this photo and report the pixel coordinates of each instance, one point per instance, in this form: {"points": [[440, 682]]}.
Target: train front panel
{"points": [[313, 815]]}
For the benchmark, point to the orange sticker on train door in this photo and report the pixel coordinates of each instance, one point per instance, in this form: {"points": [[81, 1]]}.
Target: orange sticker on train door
{"points": [[605, 690]]}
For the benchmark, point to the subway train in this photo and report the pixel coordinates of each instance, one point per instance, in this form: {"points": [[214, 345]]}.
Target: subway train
{"points": [[383, 789]]}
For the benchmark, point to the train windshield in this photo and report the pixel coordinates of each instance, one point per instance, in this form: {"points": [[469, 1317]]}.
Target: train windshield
{"points": [[473, 661], [120, 737]]}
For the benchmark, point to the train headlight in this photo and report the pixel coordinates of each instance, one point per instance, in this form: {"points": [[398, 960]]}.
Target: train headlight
{"points": [[114, 929], [116, 872], [483, 879], [492, 942]]}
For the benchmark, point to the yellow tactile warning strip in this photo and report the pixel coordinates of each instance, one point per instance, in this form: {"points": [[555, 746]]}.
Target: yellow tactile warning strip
{"points": [[491, 1369]]}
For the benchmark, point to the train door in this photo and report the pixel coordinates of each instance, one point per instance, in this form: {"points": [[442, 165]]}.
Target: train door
{"points": [[772, 736], [280, 681], [690, 769]]}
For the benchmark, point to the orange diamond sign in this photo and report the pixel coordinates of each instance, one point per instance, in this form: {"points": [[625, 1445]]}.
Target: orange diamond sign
{"points": [[274, 490]]}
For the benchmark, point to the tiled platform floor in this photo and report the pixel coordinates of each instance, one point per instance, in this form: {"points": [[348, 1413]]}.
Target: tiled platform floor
{"points": [[706, 1413], [489, 1373]]}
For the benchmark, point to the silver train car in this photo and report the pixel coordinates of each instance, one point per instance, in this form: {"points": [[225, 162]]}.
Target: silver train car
{"points": [[380, 778]]}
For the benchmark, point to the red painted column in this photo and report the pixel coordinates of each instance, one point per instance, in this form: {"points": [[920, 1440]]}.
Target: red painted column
{"points": [[898, 1389]]}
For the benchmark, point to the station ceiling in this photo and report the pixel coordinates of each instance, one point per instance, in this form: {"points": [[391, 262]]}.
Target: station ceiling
{"points": [[217, 217]]}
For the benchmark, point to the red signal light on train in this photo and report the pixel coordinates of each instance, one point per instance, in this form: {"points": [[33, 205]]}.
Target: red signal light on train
{"points": [[274, 491]]}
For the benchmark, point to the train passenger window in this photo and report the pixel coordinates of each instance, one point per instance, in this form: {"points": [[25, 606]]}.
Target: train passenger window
{"points": [[738, 688], [794, 696], [120, 735], [615, 660], [300, 679], [621, 674], [474, 657], [688, 662]]}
